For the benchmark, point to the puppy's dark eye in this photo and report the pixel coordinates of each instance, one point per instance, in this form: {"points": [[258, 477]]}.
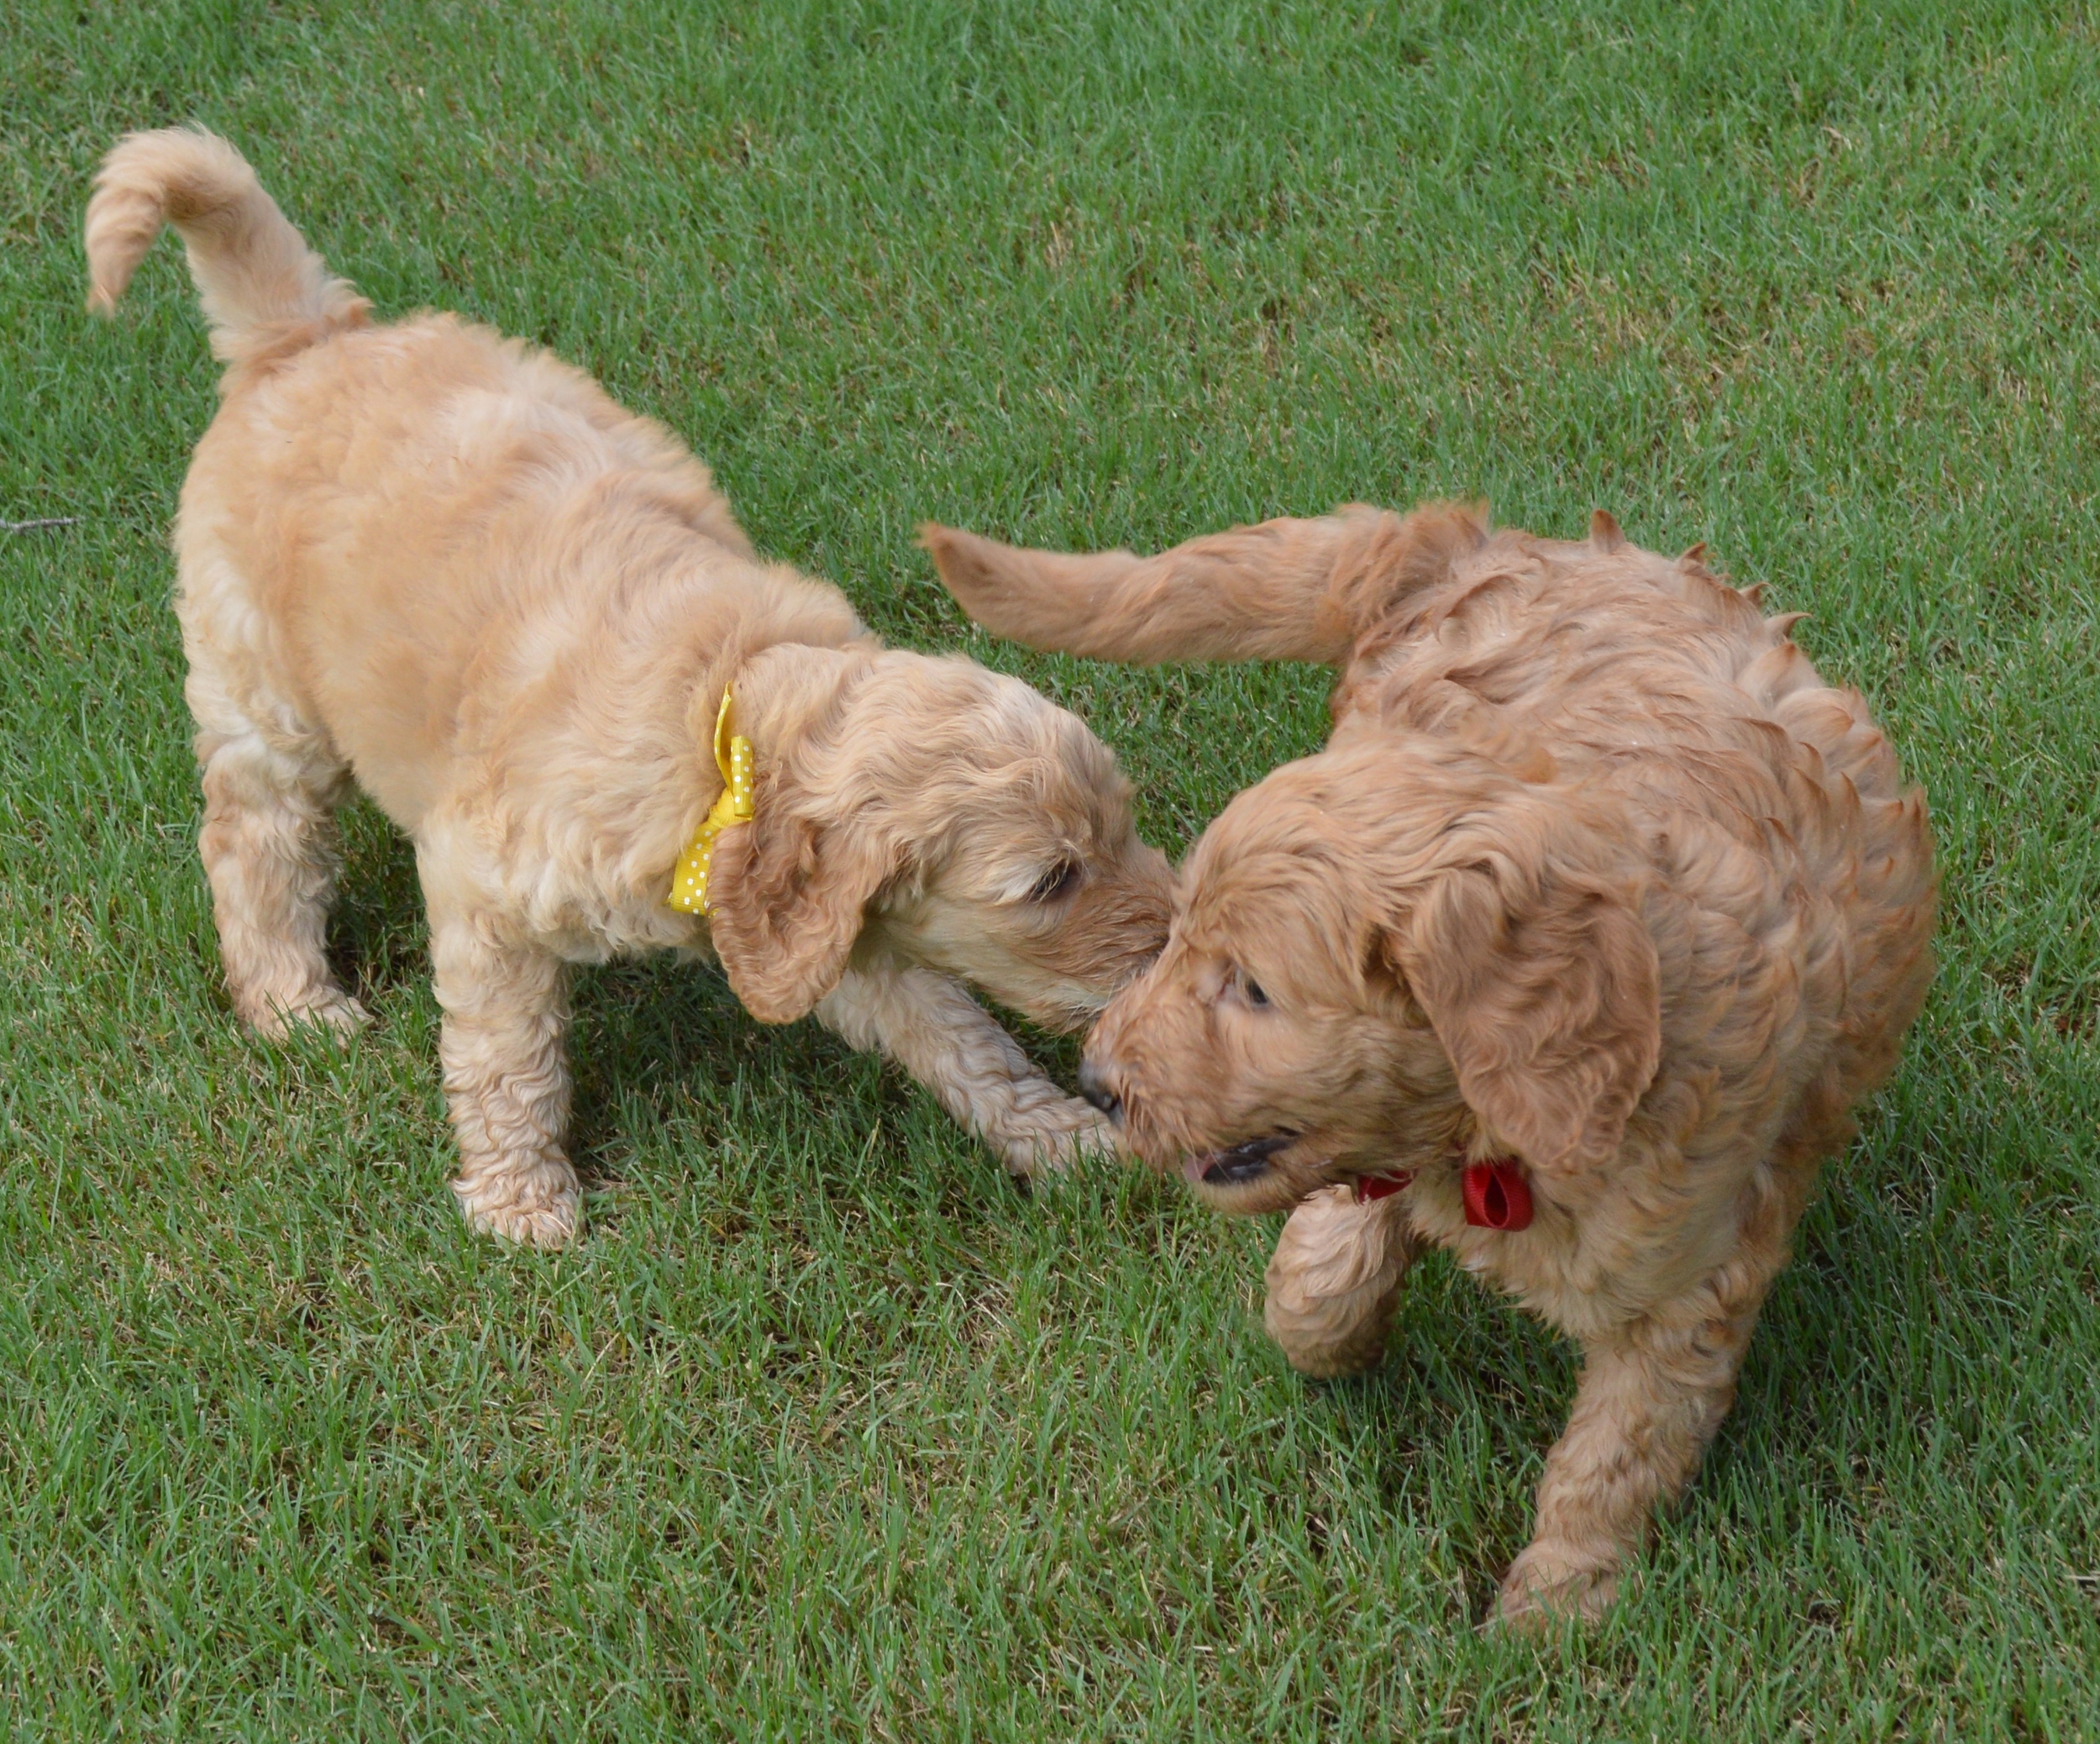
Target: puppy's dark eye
{"points": [[1054, 883], [1253, 989]]}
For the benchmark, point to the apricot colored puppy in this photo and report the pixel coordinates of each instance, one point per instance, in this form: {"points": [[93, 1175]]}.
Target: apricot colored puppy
{"points": [[442, 564], [1572, 953]]}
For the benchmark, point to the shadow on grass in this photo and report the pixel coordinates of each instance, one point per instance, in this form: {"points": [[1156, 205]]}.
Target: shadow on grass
{"points": [[667, 1066], [655, 1043], [1473, 1392]]}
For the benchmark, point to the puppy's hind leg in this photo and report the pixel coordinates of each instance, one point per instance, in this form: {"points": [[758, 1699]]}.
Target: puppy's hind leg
{"points": [[932, 1028], [502, 1045], [269, 846]]}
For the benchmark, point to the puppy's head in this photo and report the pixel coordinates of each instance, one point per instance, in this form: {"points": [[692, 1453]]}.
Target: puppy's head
{"points": [[1385, 952], [937, 812]]}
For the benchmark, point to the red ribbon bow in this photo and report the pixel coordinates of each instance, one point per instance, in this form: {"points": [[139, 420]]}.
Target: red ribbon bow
{"points": [[1497, 1195]]}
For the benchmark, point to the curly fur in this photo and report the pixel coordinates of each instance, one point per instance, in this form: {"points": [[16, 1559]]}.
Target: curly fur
{"points": [[1595, 871], [446, 567]]}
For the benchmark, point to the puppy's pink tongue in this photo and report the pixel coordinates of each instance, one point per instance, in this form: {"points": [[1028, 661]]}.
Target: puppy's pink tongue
{"points": [[1193, 1167]]}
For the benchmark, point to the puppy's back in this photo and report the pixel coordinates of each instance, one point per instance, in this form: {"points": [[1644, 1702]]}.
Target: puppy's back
{"points": [[1764, 792]]}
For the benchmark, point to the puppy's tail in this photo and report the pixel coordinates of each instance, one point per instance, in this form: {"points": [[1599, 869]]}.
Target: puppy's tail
{"points": [[260, 283], [1286, 590]]}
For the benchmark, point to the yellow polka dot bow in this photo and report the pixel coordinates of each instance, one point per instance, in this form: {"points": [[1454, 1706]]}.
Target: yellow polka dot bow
{"points": [[733, 757]]}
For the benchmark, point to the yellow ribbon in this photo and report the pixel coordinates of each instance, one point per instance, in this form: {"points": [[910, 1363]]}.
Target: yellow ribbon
{"points": [[733, 757]]}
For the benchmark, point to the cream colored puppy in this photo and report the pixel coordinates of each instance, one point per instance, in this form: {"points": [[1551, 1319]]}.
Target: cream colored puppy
{"points": [[446, 566]]}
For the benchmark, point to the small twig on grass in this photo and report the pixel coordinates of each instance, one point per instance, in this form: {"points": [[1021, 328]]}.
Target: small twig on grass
{"points": [[36, 526]]}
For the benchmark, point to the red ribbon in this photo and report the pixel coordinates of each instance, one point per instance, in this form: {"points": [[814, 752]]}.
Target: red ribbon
{"points": [[1497, 1195]]}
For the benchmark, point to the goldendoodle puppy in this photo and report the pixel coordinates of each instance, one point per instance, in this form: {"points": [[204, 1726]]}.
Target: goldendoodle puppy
{"points": [[1571, 954], [442, 564]]}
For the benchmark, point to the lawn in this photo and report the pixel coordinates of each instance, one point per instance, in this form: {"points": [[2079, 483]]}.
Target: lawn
{"points": [[826, 1430]]}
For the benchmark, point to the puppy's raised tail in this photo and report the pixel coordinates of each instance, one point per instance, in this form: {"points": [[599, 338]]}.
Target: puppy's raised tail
{"points": [[1286, 590], [262, 288]]}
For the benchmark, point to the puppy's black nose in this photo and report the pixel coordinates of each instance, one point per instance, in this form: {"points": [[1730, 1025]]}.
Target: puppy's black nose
{"points": [[1093, 1086]]}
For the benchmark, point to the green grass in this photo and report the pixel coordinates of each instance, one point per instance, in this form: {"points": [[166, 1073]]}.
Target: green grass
{"points": [[826, 1432]]}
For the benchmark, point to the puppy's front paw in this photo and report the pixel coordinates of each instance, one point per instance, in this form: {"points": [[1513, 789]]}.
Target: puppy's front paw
{"points": [[1054, 1136], [539, 1205], [1550, 1584], [340, 1013], [1333, 1282], [332, 1011]]}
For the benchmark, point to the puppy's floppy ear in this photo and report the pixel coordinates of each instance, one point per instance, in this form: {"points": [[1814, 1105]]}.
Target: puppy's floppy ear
{"points": [[785, 895], [1547, 994]]}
